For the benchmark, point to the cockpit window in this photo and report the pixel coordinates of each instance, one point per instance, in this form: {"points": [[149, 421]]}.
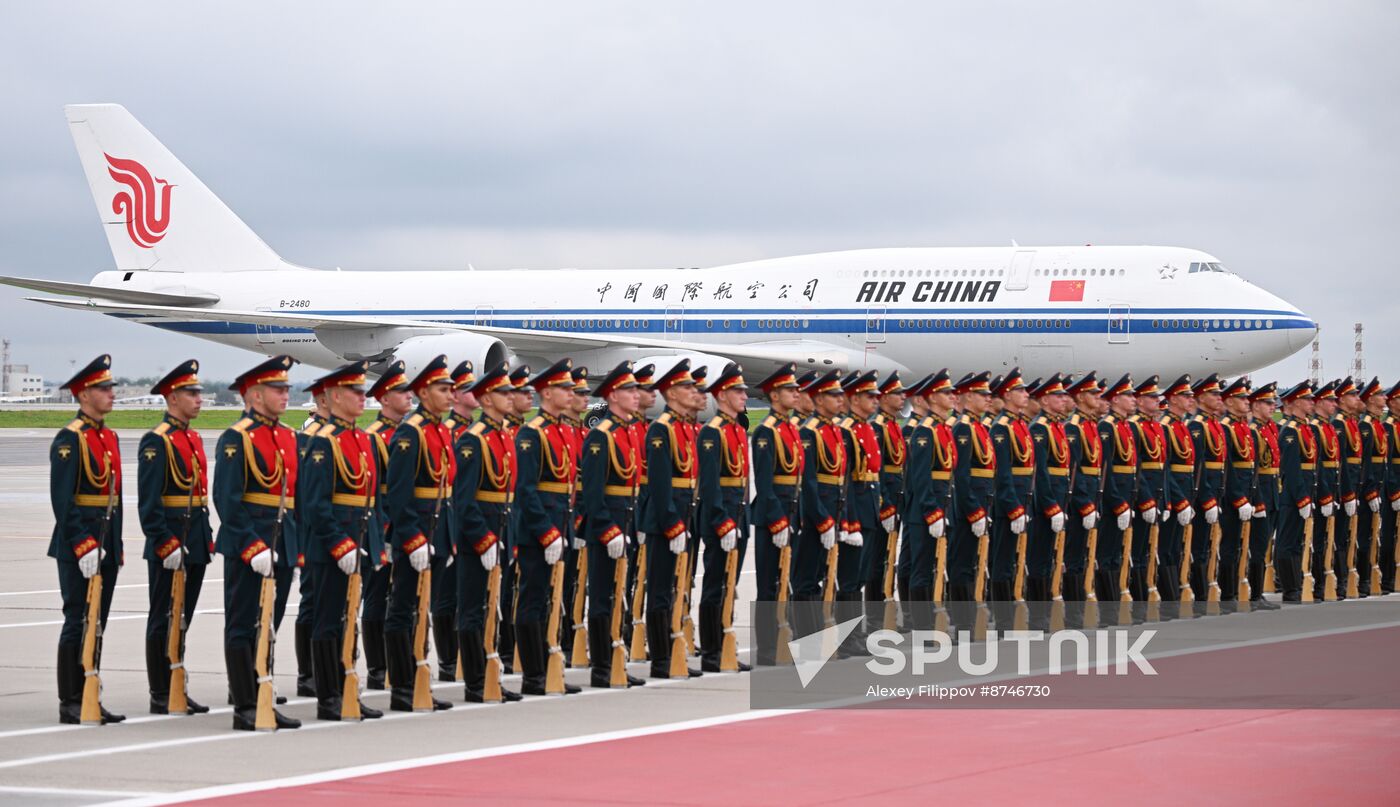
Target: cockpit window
{"points": [[1206, 266]]}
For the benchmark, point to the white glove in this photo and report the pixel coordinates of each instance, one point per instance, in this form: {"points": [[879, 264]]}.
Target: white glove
{"points": [[853, 538], [938, 528], [729, 540], [1184, 517], [979, 527], [780, 538], [1350, 508], [87, 564], [1018, 524], [1057, 522], [1305, 512], [1150, 515], [490, 557], [1213, 514], [451, 559], [1375, 504], [1091, 520], [1246, 512], [349, 563], [172, 561], [829, 538], [261, 562], [1258, 512], [1395, 505], [419, 559], [579, 544], [553, 551], [887, 523], [1124, 519], [616, 547], [677, 544], [641, 538]]}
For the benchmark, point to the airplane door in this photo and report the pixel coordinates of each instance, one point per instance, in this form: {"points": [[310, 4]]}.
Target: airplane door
{"points": [[875, 325], [1118, 324], [674, 323], [1020, 275], [483, 315], [263, 332]]}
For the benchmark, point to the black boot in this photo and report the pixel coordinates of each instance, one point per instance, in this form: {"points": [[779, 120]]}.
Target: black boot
{"points": [[1168, 587], [402, 668], [537, 646], [330, 678], [1229, 586], [374, 654], [1072, 592], [659, 642], [600, 651], [1038, 603], [445, 642], [1289, 576], [532, 662], [70, 684], [242, 686], [1002, 603], [1256, 588], [919, 608], [711, 638], [473, 652], [158, 675], [507, 644], [901, 587], [306, 661]]}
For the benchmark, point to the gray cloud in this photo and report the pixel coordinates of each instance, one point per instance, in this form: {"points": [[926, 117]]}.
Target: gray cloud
{"points": [[622, 134]]}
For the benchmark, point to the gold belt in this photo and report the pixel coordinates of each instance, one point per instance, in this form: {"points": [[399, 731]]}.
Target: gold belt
{"points": [[829, 479], [1378, 459], [983, 473], [1268, 471], [942, 475], [680, 482], [892, 469], [1089, 470], [1332, 464], [100, 500], [1215, 466], [785, 480], [1125, 469], [1022, 471], [1058, 471], [432, 493], [495, 496], [1151, 466], [171, 501], [553, 487], [1183, 469], [267, 500], [351, 499], [1354, 460], [866, 477], [733, 481], [619, 490], [1242, 464]]}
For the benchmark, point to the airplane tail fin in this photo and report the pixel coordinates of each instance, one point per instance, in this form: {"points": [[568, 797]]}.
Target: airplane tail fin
{"points": [[156, 213]]}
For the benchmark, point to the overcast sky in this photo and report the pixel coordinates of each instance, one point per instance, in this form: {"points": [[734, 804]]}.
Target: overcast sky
{"points": [[601, 135]]}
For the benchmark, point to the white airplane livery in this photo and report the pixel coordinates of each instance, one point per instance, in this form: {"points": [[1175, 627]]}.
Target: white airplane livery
{"points": [[188, 264]]}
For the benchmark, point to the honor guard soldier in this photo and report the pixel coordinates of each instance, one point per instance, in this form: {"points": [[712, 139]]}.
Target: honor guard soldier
{"points": [[1239, 490], [1390, 558], [395, 402], [933, 456], [918, 410], [1329, 485], [1266, 491], [545, 495], [1051, 487], [636, 558], [255, 481], [722, 518], [973, 493], [823, 497], [1152, 490], [611, 474], [1298, 469], [523, 398], [1015, 475], [423, 525], [995, 406], [444, 604], [894, 452], [1086, 458], [306, 575], [172, 486], [805, 406], [860, 558], [483, 498], [1119, 490], [670, 506], [339, 498], [1374, 463], [85, 478], [1209, 438], [572, 428], [1348, 428], [777, 475], [1180, 490]]}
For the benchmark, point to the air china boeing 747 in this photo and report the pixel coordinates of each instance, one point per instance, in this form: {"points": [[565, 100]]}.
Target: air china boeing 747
{"points": [[187, 264]]}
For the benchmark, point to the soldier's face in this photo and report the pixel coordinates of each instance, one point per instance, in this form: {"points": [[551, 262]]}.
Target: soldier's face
{"points": [[943, 401], [1375, 406], [976, 403], [1148, 404], [805, 405], [580, 402], [346, 402], [829, 403], [1179, 405], [1237, 407], [785, 398], [1016, 399], [436, 398], [893, 403], [1351, 404], [1394, 405], [98, 399], [736, 400], [465, 399], [626, 401], [1326, 408], [185, 404], [864, 404], [269, 401], [1263, 410], [396, 403], [647, 397], [524, 400]]}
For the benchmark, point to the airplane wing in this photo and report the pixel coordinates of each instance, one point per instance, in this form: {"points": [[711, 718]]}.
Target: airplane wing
{"points": [[178, 296], [804, 352]]}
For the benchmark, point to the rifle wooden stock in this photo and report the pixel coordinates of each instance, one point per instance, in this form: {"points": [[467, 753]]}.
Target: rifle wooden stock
{"points": [[1213, 571], [1270, 587], [1154, 597], [554, 670], [1057, 585], [579, 657], [940, 573], [1125, 595], [491, 686], [1307, 594], [1376, 553], [729, 648], [781, 653], [1397, 547], [979, 627], [91, 714], [1242, 590], [687, 623], [1329, 574], [265, 718], [619, 602], [891, 607], [1353, 577], [422, 676], [639, 621], [350, 693], [1183, 579], [514, 609], [1020, 619], [1091, 565], [829, 585], [178, 703], [678, 647]]}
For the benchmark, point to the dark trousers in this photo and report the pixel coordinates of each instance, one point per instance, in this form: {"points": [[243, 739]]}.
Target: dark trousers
{"points": [[661, 574], [332, 586], [403, 597], [872, 559], [808, 565], [712, 586], [962, 553], [72, 587], [1342, 538], [1076, 543], [1040, 549], [1387, 554], [469, 606], [444, 590], [765, 561], [533, 592], [1364, 521], [283, 576], [847, 566], [306, 606], [1001, 561], [923, 552], [601, 569], [242, 586], [375, 586], [158, 580]]}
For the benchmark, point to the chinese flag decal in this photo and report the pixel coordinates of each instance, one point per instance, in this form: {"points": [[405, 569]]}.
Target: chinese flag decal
{"points": [[1066, 291]]}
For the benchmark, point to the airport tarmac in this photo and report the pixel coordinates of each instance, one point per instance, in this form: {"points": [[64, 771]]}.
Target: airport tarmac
{"points": [[676, 742]]}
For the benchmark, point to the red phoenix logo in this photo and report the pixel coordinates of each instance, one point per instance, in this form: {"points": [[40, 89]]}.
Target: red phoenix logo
{"points": [[147, 216]]}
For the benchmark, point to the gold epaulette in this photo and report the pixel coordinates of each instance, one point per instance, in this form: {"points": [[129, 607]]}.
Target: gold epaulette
{"points": [[664, 419], [1002, 420], [242, 425], [1075, 419], [604, 425], [810, 423], [965, 419], [477, 428], [769, 421], [414, 419], [325, 431], [949, 421], [374, 427], [75, 426], [716, 422], [926, 423], [162, 427], [880, 419], [535, 422]]}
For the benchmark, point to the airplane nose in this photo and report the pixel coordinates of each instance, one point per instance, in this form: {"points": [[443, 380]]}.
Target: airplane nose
{"points": [[1301, 336]]}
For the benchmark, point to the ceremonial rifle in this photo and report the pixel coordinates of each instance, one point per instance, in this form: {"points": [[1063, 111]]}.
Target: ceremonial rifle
{"points": [[618, 667], [1353, 576], [491, 688], [579, 657], [1329, 573], [1242, 589], [1307, 594], [266, 718], [422, 676], [350, 633], [178, 702], [91, 714]]}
